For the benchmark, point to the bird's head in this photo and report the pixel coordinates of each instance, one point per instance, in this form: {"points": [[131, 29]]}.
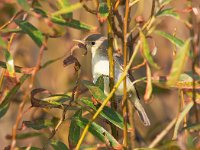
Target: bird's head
{"points": [[94, 43]]}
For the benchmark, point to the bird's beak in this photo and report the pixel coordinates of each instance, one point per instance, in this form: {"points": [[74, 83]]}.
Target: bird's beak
{"points": [[79, 44]]}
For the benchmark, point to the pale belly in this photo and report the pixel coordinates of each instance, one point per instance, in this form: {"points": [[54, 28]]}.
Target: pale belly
{"points": [[102, 68]]}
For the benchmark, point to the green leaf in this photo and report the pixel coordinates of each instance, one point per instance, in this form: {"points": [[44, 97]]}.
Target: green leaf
{"points": [[6, 102], [24, 4], [74, 131], [28, 135], [40, 124], [29, 148], [149, 88], [58, 145], [9, 62], [69, 22], [72, 23], [99, 132], [62, 4], [32, 31], [171, 38], [146, 51], [3, 43], [178, 63], [168, 12], [107, 113], [67, 9], [103, 11], [100, 82], [94, 90], [181, 117]]}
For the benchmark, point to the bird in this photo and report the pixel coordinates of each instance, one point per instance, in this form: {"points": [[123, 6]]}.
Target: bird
{"points": [[97, 44]]}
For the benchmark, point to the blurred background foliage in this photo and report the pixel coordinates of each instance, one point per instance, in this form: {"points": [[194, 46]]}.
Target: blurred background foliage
{"points": [[40, 33]]}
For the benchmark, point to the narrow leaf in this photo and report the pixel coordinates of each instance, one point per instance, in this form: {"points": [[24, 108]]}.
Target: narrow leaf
{"points": [[108, 113], [72, 23], [94, 90], [67, 9], [51, 101], [62, 4], [168, 12], [74, 131], [146, 52], [6, 102], [58, 145], [99, 132], [3, 43], [9, 63], [174, 40], [40, 124], [28, 135], [149, 89], [178, 63], [32, 31], [180, 118]]}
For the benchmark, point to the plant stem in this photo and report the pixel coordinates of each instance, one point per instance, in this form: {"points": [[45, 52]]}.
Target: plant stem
{"points": [[111, 62], [124, 100]]}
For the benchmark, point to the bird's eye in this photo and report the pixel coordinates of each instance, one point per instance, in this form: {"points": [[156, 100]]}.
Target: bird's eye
{"points": [[93, 43]]}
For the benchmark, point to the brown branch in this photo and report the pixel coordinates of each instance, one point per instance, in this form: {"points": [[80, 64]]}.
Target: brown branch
{"points": [[38, 64], [18, 119], [94, 12], [138, 66], [125, 52]]}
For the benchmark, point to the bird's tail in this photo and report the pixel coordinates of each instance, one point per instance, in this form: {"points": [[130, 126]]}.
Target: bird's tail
{"points": [[139, 108]]}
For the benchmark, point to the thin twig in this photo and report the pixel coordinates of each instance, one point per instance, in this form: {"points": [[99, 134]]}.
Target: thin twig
{"points": [[38, 64], [139, 66], [161, 135], [18, 119]]}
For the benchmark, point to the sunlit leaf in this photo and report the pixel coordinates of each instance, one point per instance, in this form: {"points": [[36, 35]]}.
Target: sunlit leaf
{"points": [[29, 148], [40, 124], [108, 113], [103, 11], [32, 31], [146, 51], [24, 4], [9, 62], [74, 131], [22, 136], [51, 101], [72, 23], [174, 40], [6, 101], [58, 145], [2, 43], [100, 82], [62, 4], [178, 63], [168, 12], [149, 89], [99, 132], [181, 117], [67, 9], [94, 90]]}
